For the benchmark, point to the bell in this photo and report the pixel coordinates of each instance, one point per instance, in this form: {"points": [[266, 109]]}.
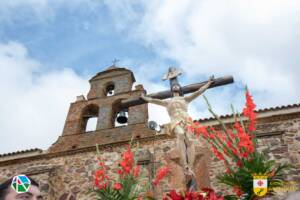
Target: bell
{"points": [[110, 90], [152, 125], [122, 117]]}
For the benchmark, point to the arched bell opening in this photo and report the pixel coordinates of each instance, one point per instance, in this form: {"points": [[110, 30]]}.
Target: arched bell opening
{"points": [[89, 118], [110, 89], [120, 116]]}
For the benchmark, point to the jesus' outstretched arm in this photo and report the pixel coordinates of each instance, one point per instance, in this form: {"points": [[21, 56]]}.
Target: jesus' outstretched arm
{"points": [[199, 91], [154, 101]]}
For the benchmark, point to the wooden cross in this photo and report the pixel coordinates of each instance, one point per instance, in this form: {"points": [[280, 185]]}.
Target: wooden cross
{"points": [[172, 76]]}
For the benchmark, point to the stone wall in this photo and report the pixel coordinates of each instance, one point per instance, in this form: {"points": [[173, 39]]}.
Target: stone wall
{"points": [[69, 174], [280, 140]]}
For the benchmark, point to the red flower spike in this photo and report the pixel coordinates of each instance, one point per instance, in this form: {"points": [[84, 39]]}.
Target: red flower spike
{"points": [[119, 171], [237, 190], [128, 161], [161, 173], [217, 153], [174, 196], [102, 186], [201, 130], [212, 136], [101, 177], [245, 141], [228, 171], [118, 186], [239, 164], [249, 111], [136, 171]]}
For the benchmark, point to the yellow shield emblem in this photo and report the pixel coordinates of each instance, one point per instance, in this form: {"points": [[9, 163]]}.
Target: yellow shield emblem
{"points": [[260, 185]]}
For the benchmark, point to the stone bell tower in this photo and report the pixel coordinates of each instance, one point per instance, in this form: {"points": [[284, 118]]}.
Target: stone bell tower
{"points": [[107, 89]]}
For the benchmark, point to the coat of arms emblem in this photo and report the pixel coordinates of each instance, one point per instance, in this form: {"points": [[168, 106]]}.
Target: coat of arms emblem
{"points": [[260, 185]]}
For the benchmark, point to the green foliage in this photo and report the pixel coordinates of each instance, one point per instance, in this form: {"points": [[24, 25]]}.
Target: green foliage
{"points": [[255, 164], [128, 185], [130, 190]]}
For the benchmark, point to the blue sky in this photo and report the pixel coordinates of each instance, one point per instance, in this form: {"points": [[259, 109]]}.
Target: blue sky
{"points": [[82, 38], [50, 48]]}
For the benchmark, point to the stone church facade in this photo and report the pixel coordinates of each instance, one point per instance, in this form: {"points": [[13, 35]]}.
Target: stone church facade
{"points": [[65, 170]]}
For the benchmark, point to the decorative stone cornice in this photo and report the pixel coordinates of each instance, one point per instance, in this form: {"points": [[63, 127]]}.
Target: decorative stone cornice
{"points": [[47, 155]]}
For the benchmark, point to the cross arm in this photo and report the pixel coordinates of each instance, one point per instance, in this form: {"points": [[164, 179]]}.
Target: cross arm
{"points": [[154, 100], [167, 94], [200, 91]]}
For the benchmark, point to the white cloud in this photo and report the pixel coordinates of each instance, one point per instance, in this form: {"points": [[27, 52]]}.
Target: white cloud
{"points": [[33, 103], [256, 41]]}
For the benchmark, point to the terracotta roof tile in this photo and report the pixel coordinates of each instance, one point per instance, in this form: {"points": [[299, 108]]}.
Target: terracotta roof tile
{"points": [[21, 152], [257, 111]]}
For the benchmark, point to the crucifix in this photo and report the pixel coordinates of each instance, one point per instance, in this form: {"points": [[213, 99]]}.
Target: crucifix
{"points": [[177, 107]]}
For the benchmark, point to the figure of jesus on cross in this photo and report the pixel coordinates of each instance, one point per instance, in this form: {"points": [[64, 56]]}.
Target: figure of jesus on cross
{"points": [[177, 108]]}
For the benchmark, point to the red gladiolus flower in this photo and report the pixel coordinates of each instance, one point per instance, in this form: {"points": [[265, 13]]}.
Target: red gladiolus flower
{"points": [[187, 195], [128, 161], [231, 135], [228, 171], [194, 196], [221, 136], [211, 195], [249, 111], [190, 128], [136, 171], [117, 186], [101, 177], [239, 164], [244, 140], [161, 173], [174, 196], [101, 164], [237, 190], [102, 186], [119, 171], [217, 153], [125, 166], [96, 182], [212, 136], [230, 146], [100, 173], [201, 130]]}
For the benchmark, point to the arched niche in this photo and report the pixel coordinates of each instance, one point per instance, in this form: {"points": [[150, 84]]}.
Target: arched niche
{"points": [[89, 118]]}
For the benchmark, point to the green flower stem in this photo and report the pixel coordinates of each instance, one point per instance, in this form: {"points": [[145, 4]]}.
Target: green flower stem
{"points": [[223, 127], [219, 148]]}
